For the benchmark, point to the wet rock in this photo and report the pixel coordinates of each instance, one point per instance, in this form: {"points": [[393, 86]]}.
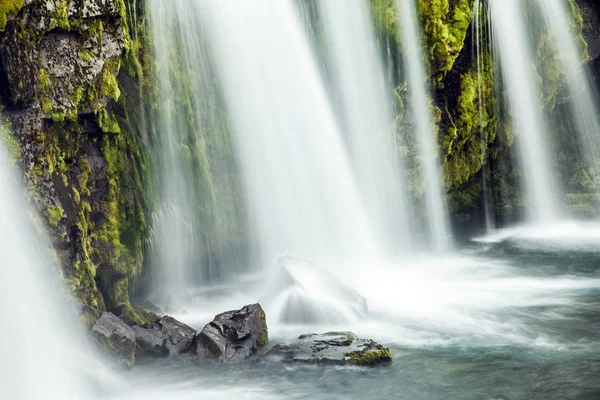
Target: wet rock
{"points": [[303, 293], [116, 336], [331, 348], [164, 337], [88, 315], [233, 336]]}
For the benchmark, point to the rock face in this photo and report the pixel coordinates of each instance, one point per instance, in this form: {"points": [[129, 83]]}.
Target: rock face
{"points": [[61, 77], [164, 337], [232, 336], [116, 336], [332, 348]]}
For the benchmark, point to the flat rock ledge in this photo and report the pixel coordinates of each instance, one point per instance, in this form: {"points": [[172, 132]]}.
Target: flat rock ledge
{"points": [[338, 348]]}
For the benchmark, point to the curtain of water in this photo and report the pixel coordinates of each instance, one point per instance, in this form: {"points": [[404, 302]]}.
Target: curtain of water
{"points": [[583, 101], [200, 224], [367, 116], [42, 351], [480, 49], [302, 194], [438, 223], [517, 64]]}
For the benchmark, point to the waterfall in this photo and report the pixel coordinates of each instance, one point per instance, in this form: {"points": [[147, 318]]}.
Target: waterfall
{"points": [[200, 223], [482, 46], [534, 140], [42, 350], [367, 117], [582, 97], [302, 194], [436, 207]]}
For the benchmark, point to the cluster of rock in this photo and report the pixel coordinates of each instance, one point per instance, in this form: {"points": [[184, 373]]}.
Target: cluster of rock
{"points": [[232, 336]]}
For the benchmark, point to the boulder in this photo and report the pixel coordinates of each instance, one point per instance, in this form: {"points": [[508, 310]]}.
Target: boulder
{"points": [[332, 348], [113, 334], [233, 336], [163, 337]]}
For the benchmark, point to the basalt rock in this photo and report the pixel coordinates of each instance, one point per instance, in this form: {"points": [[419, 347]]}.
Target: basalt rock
{"points": [[232, 336], [116, 336], [164, 337], [337, 348]]}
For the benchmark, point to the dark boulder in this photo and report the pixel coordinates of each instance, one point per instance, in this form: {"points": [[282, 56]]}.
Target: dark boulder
{"points": [[111, 333], [233, 336], [163, 337], [331, 348]]}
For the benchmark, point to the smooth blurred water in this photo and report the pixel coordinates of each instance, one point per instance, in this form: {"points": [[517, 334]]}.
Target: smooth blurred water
{"points": [[536, 152], [513, 315]]}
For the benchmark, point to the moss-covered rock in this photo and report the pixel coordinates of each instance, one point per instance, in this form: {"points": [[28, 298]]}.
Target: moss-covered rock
{"points": [[80, 152], [332, 348], [445, 24]]}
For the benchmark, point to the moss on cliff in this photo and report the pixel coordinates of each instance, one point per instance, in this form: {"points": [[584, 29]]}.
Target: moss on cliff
{"points": [[445, 24], [8, 7]]}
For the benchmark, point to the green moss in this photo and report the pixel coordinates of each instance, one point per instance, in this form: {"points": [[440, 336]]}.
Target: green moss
{"points": [[9, 143], [54, 215], [445, 24], [46, 105], [264, 337], [8, 7], [61, 15], [43, 81], [386, 19], [368, 356], [107, 121], [109, 85]]}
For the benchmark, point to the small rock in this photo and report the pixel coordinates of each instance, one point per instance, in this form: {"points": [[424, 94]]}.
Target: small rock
{"points": [[164, 337], [332, 348], [233, 336], [116, 336]]}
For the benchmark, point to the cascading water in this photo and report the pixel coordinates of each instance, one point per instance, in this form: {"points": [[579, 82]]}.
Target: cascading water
{"points": [[200, 222], [42, 351], [367, 116], [482, 46], [534, 140], [583, 102], [301, 191], [436, 207]]}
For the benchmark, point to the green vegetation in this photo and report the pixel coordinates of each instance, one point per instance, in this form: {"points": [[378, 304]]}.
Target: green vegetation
{"points": [[8, 7]]}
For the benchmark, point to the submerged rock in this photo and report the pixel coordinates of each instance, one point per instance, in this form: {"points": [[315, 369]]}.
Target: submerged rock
{"points": [[233, 336], [332, 348], [113, 334], [163, 337], [303, 293]]}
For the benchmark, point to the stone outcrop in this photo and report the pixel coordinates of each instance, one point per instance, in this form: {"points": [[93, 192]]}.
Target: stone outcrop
{"points": [[116, 336], [60, 92], [332, 348], [232, 336], [164, 337]]}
